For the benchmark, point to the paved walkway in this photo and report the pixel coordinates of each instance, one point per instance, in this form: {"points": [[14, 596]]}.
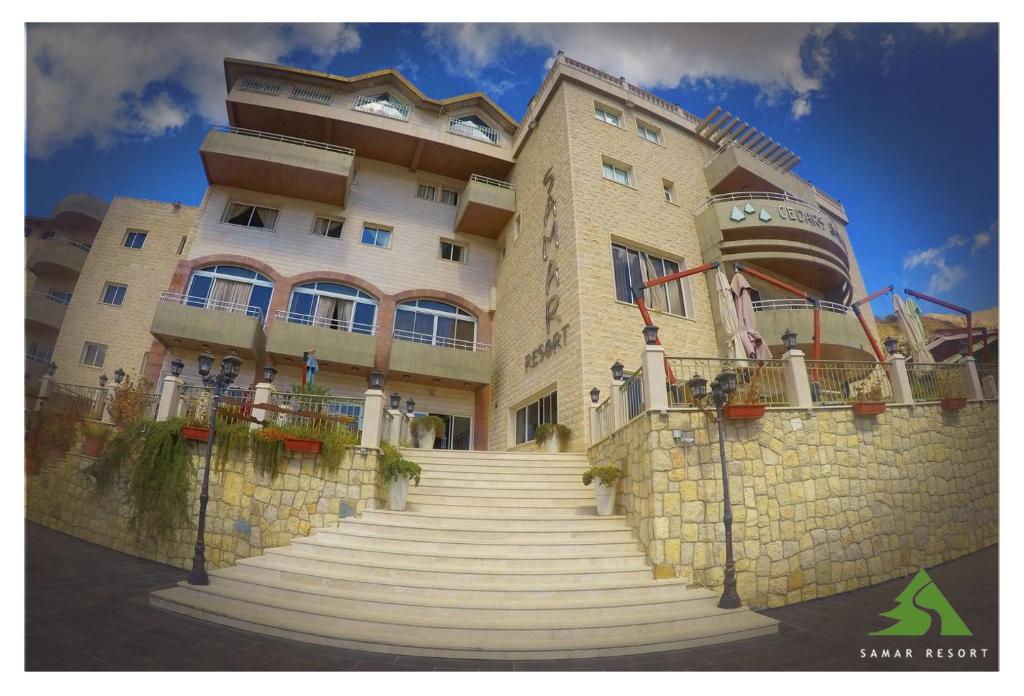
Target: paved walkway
{"points": [[87, 609]]}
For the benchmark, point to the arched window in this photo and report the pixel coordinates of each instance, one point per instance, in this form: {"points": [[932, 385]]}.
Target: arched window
{"points": [[230, 289], [333, 306], [435, 323]]}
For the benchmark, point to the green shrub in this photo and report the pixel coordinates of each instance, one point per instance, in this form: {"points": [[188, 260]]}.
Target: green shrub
{"points": [[392, 465], [234, 439], [129, 402], [546, 431], [159, 482], [97, 431], [334, 446], [424, 422], [267, 446], [49, 432], [607, 475]]}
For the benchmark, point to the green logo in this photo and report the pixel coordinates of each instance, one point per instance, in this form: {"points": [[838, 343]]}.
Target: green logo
{"points": [[917, 605]]}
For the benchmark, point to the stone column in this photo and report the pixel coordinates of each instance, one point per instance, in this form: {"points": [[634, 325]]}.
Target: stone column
{"points": [[618, 408], [798, 387], [655, 393], [594, 426], [262, 394], [169, 397], [899, 379], [373, 412], [397, 423], [972, 385], [44, 391], [103, 397]]}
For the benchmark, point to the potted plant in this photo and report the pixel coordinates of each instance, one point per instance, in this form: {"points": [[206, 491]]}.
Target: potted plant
{"points": [[49, 436], [954, 403], [744, 411], [425, 428], [308, 445], [95, 436], [604, 492], [869, 402], [552, 435], [395, 472], [195, 432]]}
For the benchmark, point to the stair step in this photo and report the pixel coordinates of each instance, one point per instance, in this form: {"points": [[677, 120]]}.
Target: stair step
{"points": [[371, 534], [470, 495], [502, 511], [457, 476], [493, 470], [520, 484], [518, 458], [513, 520]]}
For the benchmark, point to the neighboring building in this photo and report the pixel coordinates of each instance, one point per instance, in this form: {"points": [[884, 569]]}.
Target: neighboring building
{"points": [[947, 345], [484, 266]]}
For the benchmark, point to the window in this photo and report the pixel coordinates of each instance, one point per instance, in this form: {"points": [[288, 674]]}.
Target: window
{"points": [[230, 289], [425, 192], [618, 172], [333, 306], [377, 236], [450, 251], [382, 104], [648, 132], [633, 267], [248, 215], [134, 239], [543, 410], [473, 127], [93, 354], [606, 114], [456, 434], [435, 323], [327, 227], [670, 190], [58, 296], [39, 352], [113, 294], [48, 234], [449, 197]]}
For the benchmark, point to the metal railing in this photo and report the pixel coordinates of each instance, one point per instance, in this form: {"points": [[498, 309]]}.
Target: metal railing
{"points": [[440, 341], [312, 94], [387, 422], [793, 303], [194, 403], [152, 405], [388, 109], [632, 395], [750, 196], [633, 89], [87, 402], [935, 382], [42, 359], [474, 131], [317, 412], [214, 305], [49, 296], [263, 135], [492, 182], [988, 369], [836, 382], [758, 381], [336, 324], [260, 85], [605, 420]]}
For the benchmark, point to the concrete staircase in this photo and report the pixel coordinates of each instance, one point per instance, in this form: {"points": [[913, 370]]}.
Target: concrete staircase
{"points": [[499, 555]]}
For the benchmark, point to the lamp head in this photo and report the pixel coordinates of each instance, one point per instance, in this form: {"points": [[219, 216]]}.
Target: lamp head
{"points": [[177, 365], [269, 373], [891, 345], [726, 381], [595, 395], [205, 363], [396, 401], [230, 366], [118, 375], [789, 339], [103, 381], [651, 334], [617, 369], [51, 368], [410, 406], [376, 379], [698, 387]]}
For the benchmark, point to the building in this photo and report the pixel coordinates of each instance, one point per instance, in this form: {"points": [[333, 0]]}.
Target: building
{"points": [[484, 265]]}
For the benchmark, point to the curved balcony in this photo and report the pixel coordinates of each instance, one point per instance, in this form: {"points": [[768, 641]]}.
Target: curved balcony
{"points": [[58, 257], [842, 337], [43, 311], [80, 210], [340, 346]]}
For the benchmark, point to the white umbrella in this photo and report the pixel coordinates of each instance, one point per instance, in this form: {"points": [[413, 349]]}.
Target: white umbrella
{"points": [[727, 314], [908, 314], [753, 345]]}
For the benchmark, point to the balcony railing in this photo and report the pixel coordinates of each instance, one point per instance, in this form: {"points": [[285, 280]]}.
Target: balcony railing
{"points": [[770, 305], [935, 382], [758, 381], [260, 85], [474, 131], [835, 382], [632, 395], [312, 94], [327, 323], [492, 182], [56, 299], [263, 135], [211, 304], [78, 400], [605, 421], [440, 341], [320, 412], [388, 109], [752, 195]]}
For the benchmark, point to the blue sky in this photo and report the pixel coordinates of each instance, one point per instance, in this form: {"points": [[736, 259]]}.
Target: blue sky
{"points": [[897, 121]]}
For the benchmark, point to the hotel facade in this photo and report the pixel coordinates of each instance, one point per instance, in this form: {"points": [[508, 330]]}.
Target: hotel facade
{"points": [[484, 265]]}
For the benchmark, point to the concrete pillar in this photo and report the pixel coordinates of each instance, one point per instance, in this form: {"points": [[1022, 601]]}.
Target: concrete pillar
{"points": [[655, 393], [595, 435], [798, 386], [397, 424], [170, 394], [44, 391], [263, 393], [899, 379], [373, 413], [990, 387], [103, 396], [972, 385], [618, 407]]}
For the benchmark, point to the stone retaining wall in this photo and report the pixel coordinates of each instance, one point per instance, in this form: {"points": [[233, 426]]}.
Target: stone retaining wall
{"points": [[823, 501], [246, 512]]}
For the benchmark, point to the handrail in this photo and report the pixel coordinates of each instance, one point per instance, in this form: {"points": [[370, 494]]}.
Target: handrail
{"points": [[476, 132], [263, 135], [311, 320], [794, 303], [48, 296], [78, 245], [492, 182], [750, 196], [363, 101], [440, 341], [38, 358], [207, 303]]}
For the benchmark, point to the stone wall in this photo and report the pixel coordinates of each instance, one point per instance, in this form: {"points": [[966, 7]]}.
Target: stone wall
{"points": [[823, 502], [246, 514]]}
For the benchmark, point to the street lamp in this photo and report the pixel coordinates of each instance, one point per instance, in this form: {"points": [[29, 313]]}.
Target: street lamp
{"points": [[118, 375], [376, 380], [789, 339], [721, 388], [891, 345], [617, 369], [396, 401], [410, 406], [269, 374], [651, 334], [177, 365], [103, 381], [595, 395], [229, 368]]}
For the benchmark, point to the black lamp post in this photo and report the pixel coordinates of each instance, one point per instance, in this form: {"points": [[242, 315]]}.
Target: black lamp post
{"points": [[177, 365], [891, 345], [376, 380], [617, 369], [396, 401], [721, 388], [595, 395], [651, 334], [269, 374], [118, 375], [789, 339], [228, 372], [103, 381], [410, 406]]}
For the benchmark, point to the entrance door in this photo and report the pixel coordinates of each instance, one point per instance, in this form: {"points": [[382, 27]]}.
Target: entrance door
{"points": [[457, 434]]}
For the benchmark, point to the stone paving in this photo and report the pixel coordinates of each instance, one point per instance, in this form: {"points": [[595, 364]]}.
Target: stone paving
{"points": [[86, 608]]}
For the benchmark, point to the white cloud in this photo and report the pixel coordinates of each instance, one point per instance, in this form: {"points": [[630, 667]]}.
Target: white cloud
{"points": [[930, 257], [955, 32], [115, 82], [784, 60], [980, 240], [945, 277], [888, 50]]}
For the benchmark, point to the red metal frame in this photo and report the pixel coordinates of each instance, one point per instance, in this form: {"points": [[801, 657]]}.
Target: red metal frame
{"points": [[864, 324], [955, 308], [816, 350]]}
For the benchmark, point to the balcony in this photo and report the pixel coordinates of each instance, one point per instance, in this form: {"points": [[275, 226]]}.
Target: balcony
{"points": [[80, 211], [199, 323], [44, 311], [277, 164], [842, 337], [340, 346], [486, 207], [735, 168], [35, 368], [779, 232], [435, 360], [58, 257]]}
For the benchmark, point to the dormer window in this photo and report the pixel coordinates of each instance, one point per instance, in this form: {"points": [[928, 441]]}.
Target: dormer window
{"points": [[473, 127], [382, 104]]}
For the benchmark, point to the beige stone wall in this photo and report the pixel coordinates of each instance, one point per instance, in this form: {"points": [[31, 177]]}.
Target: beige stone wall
{"points": [[246, 513], [822, 503]]}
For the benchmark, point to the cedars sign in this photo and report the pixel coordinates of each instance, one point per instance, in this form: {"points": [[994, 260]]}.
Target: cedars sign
{"points": [[549, 251]]}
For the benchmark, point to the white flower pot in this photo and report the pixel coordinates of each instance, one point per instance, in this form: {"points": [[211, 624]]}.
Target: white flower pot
{"points": [[425, 439], [605, 498], [398, 490], [553, 445]]}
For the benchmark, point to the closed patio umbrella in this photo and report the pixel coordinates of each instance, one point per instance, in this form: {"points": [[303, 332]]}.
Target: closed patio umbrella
{"points": [[908, 314], [753, 345], [727, 314]]}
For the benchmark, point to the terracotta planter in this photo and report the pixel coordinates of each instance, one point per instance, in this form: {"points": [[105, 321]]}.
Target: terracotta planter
{"points": [[744, 411], [92, 446], [868, 408], [190, 433], [295, 444], [954, 404]]}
